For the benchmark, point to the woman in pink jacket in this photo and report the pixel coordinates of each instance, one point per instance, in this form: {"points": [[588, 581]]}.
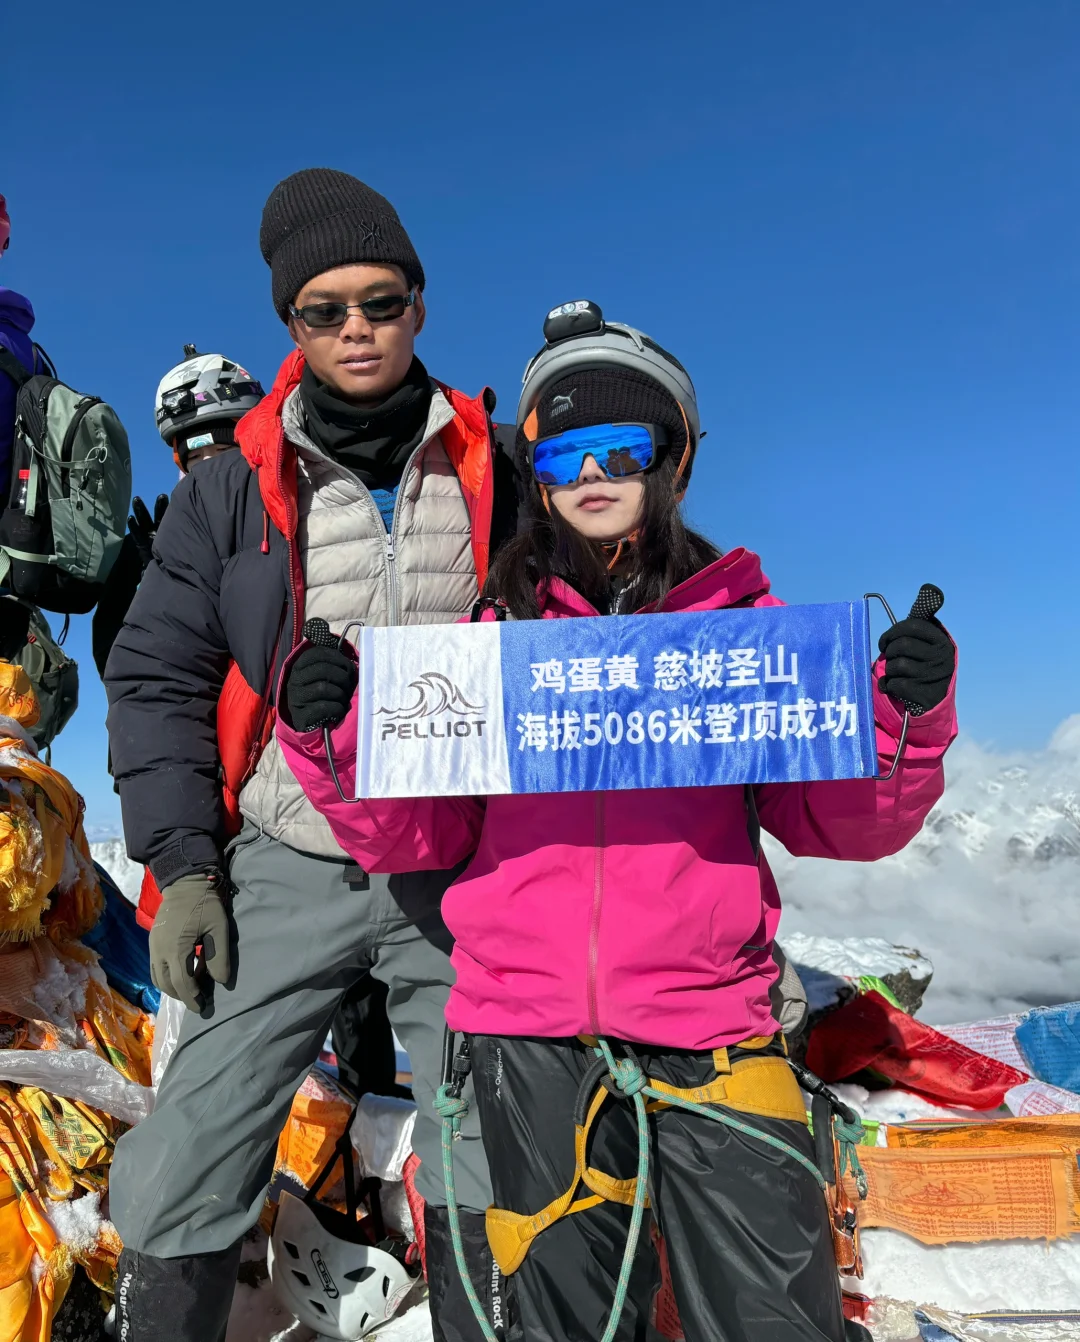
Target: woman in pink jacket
{"points": [[646, 918]]}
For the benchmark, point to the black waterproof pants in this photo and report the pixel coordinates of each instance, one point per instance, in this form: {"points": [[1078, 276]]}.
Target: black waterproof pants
{"points": [[746, 1226]]}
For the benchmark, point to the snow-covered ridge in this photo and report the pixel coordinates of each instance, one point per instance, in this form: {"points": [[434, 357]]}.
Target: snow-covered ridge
{"points": [[1023, 808], [112, 855], [988, 891]]}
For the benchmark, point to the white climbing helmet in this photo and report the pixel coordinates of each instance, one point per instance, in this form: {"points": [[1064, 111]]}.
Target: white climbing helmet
{"points": [[201, 389], [332, 1279]]}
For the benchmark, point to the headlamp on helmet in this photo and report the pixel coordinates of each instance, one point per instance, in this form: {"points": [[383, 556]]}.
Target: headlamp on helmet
{"points": [[203, 387], [578, 339]]}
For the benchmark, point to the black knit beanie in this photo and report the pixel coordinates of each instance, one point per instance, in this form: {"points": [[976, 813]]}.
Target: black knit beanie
{"points": [[609, 396], [320, 218]]}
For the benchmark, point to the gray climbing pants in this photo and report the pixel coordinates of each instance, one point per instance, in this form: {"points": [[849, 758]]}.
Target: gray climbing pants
{"points": [[191, 1178]]}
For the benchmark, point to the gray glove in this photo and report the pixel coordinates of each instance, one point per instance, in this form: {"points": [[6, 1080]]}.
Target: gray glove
{"points": [[192, 913]]}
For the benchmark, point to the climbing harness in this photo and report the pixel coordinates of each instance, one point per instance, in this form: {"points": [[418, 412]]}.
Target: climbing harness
{"points": [[765, 1085]]}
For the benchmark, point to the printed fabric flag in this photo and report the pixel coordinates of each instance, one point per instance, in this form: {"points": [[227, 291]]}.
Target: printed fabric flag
{"points": [[774, 695]]}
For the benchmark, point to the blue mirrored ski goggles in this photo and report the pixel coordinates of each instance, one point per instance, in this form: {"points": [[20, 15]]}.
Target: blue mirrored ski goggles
{"points": [[618, 449]]}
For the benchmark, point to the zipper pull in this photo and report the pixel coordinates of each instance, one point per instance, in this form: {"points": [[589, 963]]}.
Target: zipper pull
{"points": [[391, 554]]}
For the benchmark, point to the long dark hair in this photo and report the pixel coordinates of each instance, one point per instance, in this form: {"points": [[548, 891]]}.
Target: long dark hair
{"points": [[665, 553]]}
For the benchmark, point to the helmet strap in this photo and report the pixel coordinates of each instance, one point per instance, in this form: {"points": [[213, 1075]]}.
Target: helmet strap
{"points": [[684, 460], [618, 547]]}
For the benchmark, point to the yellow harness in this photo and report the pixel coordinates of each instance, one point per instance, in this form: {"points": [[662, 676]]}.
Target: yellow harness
{"points": [[765, 1086]]}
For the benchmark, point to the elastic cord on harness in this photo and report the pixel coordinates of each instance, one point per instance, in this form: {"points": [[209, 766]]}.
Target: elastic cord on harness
{"points": [[451, 1106]]}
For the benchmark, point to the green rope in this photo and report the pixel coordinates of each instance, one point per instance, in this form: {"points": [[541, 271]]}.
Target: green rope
{"points": [[452, 1110], [631, 1082], [849, 1136]]}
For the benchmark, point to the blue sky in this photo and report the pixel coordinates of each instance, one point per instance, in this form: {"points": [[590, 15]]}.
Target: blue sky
{"points": [[856, 225]]}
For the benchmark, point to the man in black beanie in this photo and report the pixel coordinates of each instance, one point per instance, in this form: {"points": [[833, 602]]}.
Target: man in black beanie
{"points": [[363, 490]]}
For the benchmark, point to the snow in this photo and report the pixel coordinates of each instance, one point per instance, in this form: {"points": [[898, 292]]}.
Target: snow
{"points": [[77, 1223], [987, 891], [413, 1326], [852, 957], [1004, 1274], [900, 1106], [905, 1321], [112, 855]]}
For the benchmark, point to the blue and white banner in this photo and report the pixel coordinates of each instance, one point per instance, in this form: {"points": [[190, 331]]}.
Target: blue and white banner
{"points": [[774, 695]]}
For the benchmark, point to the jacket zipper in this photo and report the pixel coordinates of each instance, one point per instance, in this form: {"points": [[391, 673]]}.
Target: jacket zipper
{"points": [[598, 903], [391, 577], [391, 535]]}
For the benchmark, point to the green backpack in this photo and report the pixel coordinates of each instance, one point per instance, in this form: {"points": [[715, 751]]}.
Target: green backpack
{"points": [[70, 489], [54, 676]]}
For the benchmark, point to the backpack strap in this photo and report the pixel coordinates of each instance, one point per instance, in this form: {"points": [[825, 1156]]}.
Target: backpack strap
{"points": [[13, 368], [43, 356]]}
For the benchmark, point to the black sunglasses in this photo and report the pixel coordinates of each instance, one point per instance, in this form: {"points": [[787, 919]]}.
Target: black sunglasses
{"points": [[384, 308]]}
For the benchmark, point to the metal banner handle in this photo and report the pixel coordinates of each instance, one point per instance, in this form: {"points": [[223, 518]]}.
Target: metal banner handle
{"points": [[925, 606], [319, 633]]}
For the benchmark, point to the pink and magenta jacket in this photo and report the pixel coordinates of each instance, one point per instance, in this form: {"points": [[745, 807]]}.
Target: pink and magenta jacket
{"points": [[642, 915]]}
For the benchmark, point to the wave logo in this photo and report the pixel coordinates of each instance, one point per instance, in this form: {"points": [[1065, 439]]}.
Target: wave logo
{"points": [[435, 693], [437, 697]]}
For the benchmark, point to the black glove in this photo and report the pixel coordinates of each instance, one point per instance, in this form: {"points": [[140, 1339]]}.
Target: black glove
{"points": [[319, 688], [919, 656], [142, 528]]}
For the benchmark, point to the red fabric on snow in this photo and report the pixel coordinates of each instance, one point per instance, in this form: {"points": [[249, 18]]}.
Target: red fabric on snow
{"points": [[871, 1032]]}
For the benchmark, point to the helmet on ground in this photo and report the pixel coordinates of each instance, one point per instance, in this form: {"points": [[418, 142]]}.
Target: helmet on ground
{"points": [[5, 226], [324, 1270], [578, 339], [204, 390]]}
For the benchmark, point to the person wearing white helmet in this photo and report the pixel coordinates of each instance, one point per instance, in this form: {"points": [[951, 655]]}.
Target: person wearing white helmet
{"points": [[199, 403]]}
